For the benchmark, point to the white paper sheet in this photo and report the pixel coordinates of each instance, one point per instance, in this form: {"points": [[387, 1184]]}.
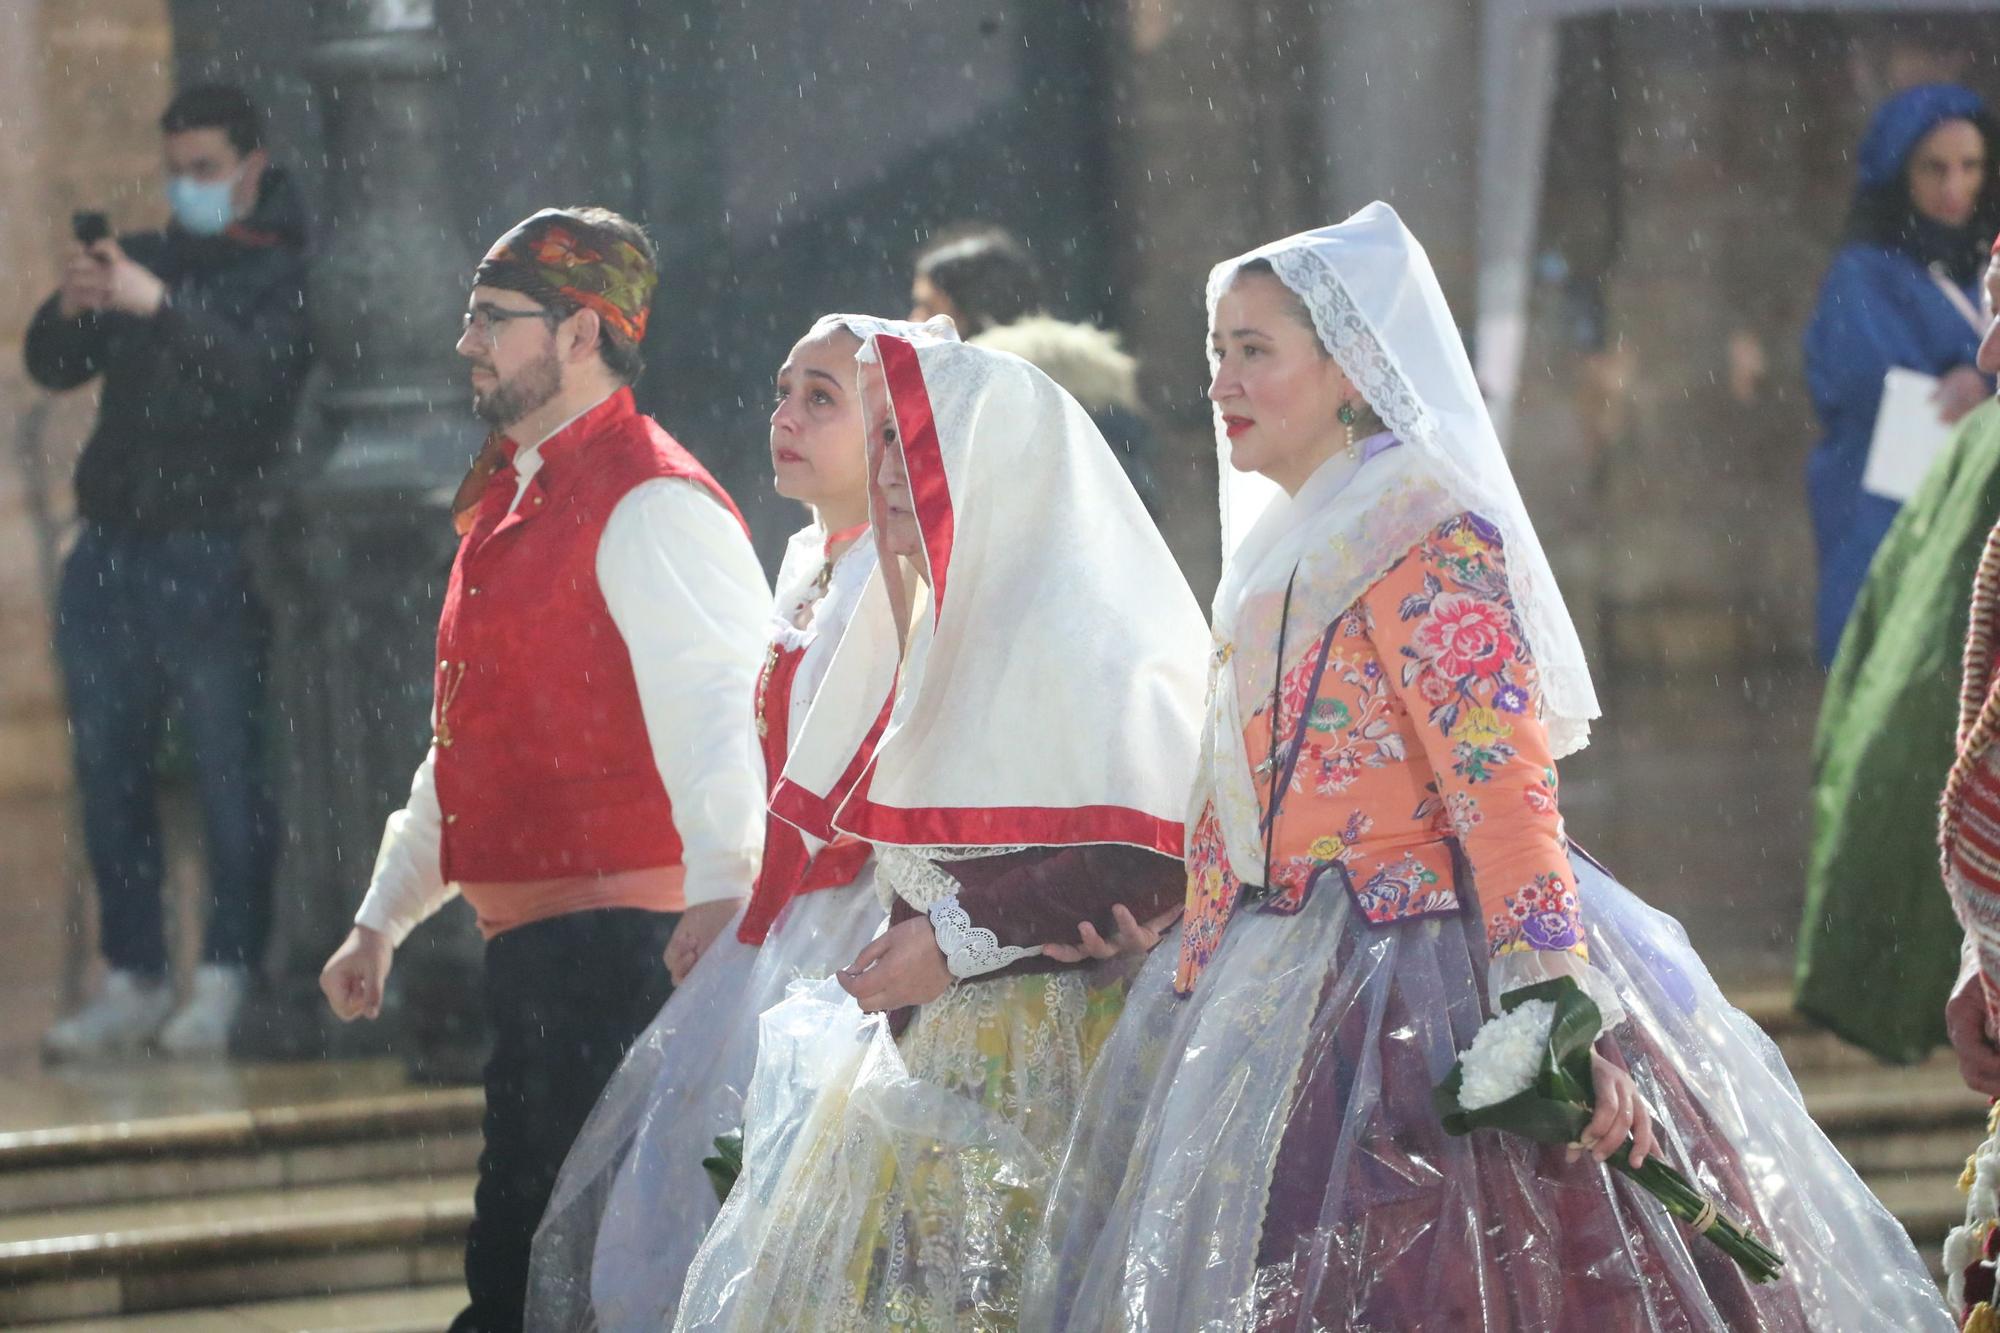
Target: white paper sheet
{"points": [[1909, 435]]}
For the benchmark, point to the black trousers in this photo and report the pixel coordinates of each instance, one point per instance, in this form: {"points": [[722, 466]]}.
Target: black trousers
{"points": [[565, 999]]}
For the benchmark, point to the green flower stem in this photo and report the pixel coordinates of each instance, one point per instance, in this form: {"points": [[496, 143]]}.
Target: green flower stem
{"points": [[1679, 1196]]}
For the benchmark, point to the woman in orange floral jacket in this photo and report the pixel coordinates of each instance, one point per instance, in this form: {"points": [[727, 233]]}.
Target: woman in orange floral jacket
{"points": [[1376, 856]]}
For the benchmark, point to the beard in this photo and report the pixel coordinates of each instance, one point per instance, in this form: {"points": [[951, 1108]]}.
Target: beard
{"points": [[513, 398]]}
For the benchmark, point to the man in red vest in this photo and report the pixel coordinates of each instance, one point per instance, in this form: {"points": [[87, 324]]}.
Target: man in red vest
{"points": [[594, 787]]}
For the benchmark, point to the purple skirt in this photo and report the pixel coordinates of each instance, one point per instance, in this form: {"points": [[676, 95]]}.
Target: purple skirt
{"points": [[1263, 1154]]}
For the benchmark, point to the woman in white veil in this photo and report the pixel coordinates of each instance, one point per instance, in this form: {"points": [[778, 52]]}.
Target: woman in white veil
{"points": [[633, 1200], [1016, 749], [1376, 855]]}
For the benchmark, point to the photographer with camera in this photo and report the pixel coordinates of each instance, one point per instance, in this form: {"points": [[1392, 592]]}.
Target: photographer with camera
{"points": [[200, 334]]}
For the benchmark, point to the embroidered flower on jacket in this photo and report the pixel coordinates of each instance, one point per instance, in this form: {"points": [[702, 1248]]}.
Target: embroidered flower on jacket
{"points": [[1542, 916], [1333, 770], [1466, 636], [1467, 539], [1476, 763], [1510, 698], [1480, 726], [1402, 889], [1328, 715], [1462, 814]]}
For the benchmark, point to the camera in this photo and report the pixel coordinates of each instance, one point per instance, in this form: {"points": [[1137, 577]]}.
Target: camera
{"points": [[89, 228]]}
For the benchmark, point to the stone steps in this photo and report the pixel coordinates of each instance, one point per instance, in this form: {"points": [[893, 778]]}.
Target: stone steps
{"points": [[309, 1215], [225, 1249], [213, 1212], [384, 1137], [1913, 1122], [416, 1310]]}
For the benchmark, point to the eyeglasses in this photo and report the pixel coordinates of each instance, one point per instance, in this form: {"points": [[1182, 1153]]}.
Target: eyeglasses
{"points": [[488, 320]]}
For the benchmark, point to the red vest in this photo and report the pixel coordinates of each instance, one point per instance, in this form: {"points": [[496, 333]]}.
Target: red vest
{"points": [[544, 768]]}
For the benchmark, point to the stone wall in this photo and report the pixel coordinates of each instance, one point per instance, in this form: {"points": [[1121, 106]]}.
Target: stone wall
{"points": [[80, 89], [1699, 174]]}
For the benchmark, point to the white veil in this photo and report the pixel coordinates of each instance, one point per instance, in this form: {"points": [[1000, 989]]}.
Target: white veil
{"points": [[1302, 560], [1052, 694], [1379, 311]]}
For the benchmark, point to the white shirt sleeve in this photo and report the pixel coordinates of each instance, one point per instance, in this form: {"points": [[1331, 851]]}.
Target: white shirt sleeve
{"points": [[687, 594], [408, 885]]}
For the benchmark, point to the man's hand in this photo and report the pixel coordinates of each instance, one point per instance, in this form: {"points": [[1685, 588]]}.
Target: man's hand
{"points": [[699, 927], [900, 967], [131, 287], [86, 285], [1965, 1022], [354, 977], [1133, 937], [1958, 392]]}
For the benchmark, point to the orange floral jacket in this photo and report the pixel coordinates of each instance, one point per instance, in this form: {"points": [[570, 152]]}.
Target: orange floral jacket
{"points": [[1422, 740]]}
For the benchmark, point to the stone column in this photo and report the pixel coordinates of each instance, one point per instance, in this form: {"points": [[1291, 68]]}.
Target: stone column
{"points": [[1213, 150], [358, 537]]}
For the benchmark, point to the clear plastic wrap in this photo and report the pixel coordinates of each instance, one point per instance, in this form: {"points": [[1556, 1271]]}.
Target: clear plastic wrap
{"points": [[896, 1185], [633, 1201], [1264, 1155]]}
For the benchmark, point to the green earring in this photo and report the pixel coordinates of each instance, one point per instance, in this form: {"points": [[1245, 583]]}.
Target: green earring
{"points": [[1348, 416]]}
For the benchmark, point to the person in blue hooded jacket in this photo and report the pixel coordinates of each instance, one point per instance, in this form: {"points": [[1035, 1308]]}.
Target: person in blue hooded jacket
{"points": [[1903, 290]]}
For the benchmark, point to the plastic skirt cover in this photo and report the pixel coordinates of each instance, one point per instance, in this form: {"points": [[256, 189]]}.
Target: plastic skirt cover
{"points": [[633, 1202], [1263, 1155]]}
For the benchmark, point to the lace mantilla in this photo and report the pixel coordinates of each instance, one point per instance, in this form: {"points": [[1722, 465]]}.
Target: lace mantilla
{"points": [[969, 950], [1346, 333], [1385, 321], [912, 874]]}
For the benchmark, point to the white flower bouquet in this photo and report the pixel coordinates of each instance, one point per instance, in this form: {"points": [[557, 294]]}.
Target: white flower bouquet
{"points": [[1528, 1072]]}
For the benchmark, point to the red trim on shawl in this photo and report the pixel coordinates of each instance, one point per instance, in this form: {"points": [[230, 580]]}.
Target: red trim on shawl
{"points": [[923, 458], [1008, 825], [847, 808], [814, 813], [802, 809]]}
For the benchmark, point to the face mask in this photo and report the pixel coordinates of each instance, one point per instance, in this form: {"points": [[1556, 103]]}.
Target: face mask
{"points": [[205, 208]]}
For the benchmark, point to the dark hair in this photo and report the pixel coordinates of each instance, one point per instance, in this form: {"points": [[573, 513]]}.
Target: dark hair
{"points": [[986, 272], [216, 106], [1295, 305], [622, 356], [1885, 216]]}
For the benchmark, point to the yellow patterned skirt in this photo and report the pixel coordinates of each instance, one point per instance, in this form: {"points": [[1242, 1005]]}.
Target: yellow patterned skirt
{"points": [[900, 1190]]}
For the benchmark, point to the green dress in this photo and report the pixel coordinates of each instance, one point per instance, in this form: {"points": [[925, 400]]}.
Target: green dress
{"points": [[1878, 950]]}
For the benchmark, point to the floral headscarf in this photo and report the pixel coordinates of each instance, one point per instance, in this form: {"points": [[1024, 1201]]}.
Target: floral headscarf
{"points": [[558, 253]]}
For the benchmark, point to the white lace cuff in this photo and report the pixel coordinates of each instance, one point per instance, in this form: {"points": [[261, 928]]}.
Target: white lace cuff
{"points": [[1525, 967], [969, 950]]}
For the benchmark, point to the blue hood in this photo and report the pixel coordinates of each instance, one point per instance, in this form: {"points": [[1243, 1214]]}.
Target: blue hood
{"points": [[1901, 123]]}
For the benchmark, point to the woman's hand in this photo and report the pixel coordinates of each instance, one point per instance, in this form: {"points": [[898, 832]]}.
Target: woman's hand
{"points": [[1132, 937], [1621, 1114], [1959, 390], [900, 967]]}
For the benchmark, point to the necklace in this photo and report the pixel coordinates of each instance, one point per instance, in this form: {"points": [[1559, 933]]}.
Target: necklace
{"points": [[802, 613]]}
